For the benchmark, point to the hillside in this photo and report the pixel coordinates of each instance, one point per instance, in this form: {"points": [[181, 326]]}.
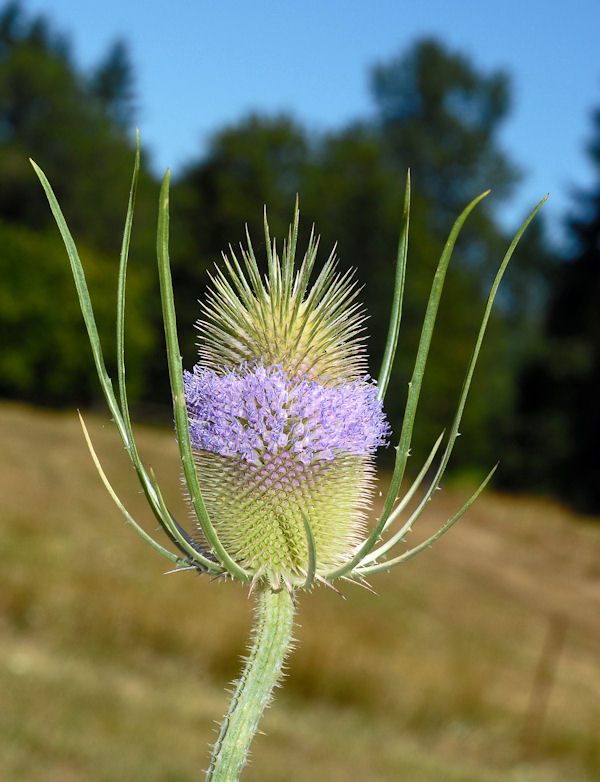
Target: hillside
{"points": [[478, 661]]}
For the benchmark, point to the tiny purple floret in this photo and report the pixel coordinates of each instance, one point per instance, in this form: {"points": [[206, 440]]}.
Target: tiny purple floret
{"points": [[259, 414]]}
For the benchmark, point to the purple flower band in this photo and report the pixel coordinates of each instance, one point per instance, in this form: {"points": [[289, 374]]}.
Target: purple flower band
{"points": [[258, 412]]}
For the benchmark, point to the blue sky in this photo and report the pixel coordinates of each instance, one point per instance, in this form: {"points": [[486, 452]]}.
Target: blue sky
{"points": [[202, 64]]}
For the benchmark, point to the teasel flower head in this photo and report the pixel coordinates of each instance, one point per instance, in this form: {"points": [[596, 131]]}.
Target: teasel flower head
{"points": [[283, 419]]}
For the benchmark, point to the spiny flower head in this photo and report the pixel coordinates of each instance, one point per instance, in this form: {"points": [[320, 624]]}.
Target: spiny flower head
{"points": [[283, 420]]}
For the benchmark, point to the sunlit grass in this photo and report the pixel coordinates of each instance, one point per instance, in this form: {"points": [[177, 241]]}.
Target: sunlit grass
{"points": [[110, 670]]}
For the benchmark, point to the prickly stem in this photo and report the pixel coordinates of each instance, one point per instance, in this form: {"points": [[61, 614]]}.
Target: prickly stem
{"points": [[271, 642]]}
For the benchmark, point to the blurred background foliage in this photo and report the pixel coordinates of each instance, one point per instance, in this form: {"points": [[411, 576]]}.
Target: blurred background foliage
{"points": [[433, 110]]}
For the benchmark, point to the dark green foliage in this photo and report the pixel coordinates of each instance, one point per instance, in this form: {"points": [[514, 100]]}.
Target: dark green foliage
{"points": [[45, 356], [50, 112], [440, 116], [113, 83], [559, 421]]}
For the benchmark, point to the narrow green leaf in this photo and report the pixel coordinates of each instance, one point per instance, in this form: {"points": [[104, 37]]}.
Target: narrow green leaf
{"points": [[184, 541], [405, 500], [177, 388], [312, 552], [121, 293], [164, 519], [464, 391], [378, 568], [123, 425], [396, 315], [465, 387], [161, 550], [82, 294], [414, 390]]}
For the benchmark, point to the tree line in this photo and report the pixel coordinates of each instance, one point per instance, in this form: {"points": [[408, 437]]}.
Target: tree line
{"points": [[433, 111]]}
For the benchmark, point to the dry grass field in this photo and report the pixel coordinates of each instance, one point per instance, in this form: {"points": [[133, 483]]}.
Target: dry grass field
{"points": [[478, 661]]}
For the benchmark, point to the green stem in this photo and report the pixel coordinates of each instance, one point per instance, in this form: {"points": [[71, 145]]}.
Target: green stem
{"points": [[272, 639]]}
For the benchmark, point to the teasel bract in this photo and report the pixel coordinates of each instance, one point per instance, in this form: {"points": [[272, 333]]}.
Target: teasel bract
{"points": [[277, 427]]}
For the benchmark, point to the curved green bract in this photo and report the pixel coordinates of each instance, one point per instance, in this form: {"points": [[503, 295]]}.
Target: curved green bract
{"points": [[414, 390], [366, 553], [378, 568], [464, 392], [172, 531], [311, 565], [120, 414], [413, 488], [161, 550], [176, 378], [396, 315]]}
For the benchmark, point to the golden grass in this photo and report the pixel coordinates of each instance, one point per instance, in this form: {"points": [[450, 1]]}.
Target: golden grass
{"points": [[111, 671]]}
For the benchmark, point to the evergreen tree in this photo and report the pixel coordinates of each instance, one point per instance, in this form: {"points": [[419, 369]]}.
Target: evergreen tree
{"points": [[57, 115], [560, 415], [51, 112], [439, 115], [113, 83]]}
